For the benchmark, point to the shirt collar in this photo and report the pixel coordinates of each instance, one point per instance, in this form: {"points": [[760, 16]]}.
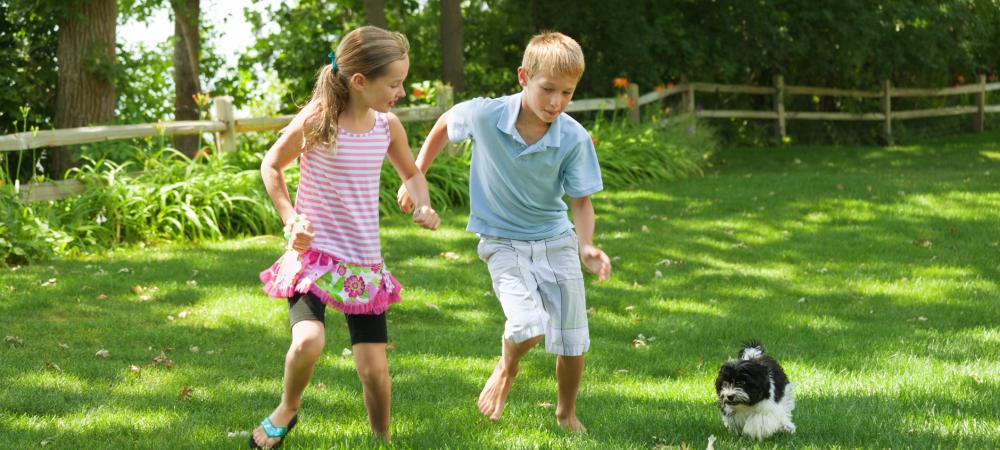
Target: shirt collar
{"points": [[508, 120]]}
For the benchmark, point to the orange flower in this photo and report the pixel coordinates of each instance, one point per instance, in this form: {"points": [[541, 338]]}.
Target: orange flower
{"points": [[620, 82], [659, 88], [418, 93], [670, 86], [203, 152], [960, 78]]}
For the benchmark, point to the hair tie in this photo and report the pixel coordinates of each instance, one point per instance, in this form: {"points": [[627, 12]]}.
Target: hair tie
{"points": [[333, 61]]}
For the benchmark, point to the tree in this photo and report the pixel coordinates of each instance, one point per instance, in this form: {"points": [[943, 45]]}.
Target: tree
{"points": [[85, 92], [187, 48], [452, 44], [375, 11]]}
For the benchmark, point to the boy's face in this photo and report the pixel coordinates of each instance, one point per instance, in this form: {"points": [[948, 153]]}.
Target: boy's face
{"points": [[546, 95]]}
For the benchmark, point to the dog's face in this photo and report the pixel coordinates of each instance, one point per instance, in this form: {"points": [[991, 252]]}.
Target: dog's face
{"points": [[742, 383]]}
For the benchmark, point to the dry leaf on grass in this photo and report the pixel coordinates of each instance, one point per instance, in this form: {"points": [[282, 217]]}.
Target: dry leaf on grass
{"points": [[13, 341], [186, 393], [451, 256]]}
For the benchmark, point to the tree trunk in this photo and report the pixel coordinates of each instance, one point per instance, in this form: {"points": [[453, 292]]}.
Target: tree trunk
{"points": [[375, 10], [85, 92], [187, 48], [452, 60]]}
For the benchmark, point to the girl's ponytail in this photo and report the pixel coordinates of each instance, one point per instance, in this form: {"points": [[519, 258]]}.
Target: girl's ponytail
{"points": [[366, 50]]}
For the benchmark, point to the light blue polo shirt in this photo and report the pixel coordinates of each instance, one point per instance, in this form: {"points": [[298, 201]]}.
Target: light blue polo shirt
{"points": [[516, 189]]}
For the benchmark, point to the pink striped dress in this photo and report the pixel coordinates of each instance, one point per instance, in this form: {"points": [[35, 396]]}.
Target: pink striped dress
{"points": [[338, 193]]}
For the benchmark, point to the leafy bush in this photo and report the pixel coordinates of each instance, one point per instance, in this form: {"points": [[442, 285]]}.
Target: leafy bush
{"points": [[631, 155], [164, 195]]}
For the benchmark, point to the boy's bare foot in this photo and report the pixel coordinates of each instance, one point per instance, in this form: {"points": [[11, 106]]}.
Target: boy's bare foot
{"points": [[494, 395], [571, 424]]}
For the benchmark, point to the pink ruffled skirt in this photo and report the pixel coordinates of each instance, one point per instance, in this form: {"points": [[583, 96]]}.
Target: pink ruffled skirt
{"points": [[350, 288]]}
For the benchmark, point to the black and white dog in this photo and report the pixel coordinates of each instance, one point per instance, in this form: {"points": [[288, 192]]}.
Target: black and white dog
{"points": [[755, 396]]}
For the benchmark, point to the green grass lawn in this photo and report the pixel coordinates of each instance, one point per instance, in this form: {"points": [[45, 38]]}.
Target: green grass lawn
{"points": [[872, 274]]}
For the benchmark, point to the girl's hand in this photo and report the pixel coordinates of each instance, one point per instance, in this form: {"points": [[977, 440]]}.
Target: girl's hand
{"points": [[596, 261], [403, 200], [300, 233], [425, 216]]}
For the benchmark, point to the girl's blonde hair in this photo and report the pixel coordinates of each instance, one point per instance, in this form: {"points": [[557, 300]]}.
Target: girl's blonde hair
{"points": [[367, 50]]}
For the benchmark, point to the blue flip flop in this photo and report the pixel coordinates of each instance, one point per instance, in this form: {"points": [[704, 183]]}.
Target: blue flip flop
{"points": [[275, 432]]}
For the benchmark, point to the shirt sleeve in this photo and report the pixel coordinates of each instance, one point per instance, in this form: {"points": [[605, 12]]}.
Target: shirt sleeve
{"points": [[462, 119], [581, 171]]}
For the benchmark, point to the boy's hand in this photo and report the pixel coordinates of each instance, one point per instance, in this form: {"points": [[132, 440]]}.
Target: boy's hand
{"points": [[300, 233], [403, 200], [596, 261], [425, 216]]}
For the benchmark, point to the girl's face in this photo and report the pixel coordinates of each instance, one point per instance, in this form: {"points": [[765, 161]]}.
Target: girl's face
{"points": [[546, 95], [380, 93]]}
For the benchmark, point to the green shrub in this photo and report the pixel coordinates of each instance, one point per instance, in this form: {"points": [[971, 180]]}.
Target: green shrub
{"points": [[634, 154]]}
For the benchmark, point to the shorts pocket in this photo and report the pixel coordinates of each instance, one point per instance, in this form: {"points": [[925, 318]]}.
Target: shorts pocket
{"points": [[564, 257]]}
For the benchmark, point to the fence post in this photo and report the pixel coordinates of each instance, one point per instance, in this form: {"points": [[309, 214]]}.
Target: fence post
{"points": [[633, 103], [446, 98], [687, 97], [980, 123], [887, 110], [226, 139], [779, 105]]}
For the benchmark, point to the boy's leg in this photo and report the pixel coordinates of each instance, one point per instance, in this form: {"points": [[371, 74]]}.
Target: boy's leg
{"points": [[569, 371], [562, 291], [308, 339], [515, 287], [494, 396], [369, 335]]}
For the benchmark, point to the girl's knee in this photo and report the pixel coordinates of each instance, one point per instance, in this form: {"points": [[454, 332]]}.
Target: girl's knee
{"points": [[373, 374], [310, 346]]}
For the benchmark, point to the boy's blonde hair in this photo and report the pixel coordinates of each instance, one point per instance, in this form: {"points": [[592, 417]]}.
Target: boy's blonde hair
{"points": [[553, 53], [367, 50]]}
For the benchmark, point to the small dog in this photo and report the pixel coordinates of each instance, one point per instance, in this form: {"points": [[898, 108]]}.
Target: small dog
{"points": [[755, 396]]}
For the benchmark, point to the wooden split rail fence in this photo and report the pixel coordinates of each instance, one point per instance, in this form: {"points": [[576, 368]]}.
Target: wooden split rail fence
{"points": [[225, 125]]}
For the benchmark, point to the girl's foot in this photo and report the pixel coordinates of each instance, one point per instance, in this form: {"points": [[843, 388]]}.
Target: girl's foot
{"points": [[280, 418]]}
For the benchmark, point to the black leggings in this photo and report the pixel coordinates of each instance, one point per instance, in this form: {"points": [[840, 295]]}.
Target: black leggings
{"points": [[364, 328]]}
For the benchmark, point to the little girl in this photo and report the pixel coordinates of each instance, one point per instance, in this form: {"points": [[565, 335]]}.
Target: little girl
{"points": [[341, 138]]}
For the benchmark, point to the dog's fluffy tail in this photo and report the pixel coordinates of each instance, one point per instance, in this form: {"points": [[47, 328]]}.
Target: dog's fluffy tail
{"points": [[751, 349]]}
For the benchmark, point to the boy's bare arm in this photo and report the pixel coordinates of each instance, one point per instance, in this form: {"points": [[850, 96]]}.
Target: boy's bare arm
{"points": [[436, 140], [593, 258]]}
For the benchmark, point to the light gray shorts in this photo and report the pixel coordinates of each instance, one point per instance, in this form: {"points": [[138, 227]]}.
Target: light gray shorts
{"points": [[540, 288]]}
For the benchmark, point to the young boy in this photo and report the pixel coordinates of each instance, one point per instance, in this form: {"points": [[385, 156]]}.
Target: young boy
{"points": [[526, 155]]}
